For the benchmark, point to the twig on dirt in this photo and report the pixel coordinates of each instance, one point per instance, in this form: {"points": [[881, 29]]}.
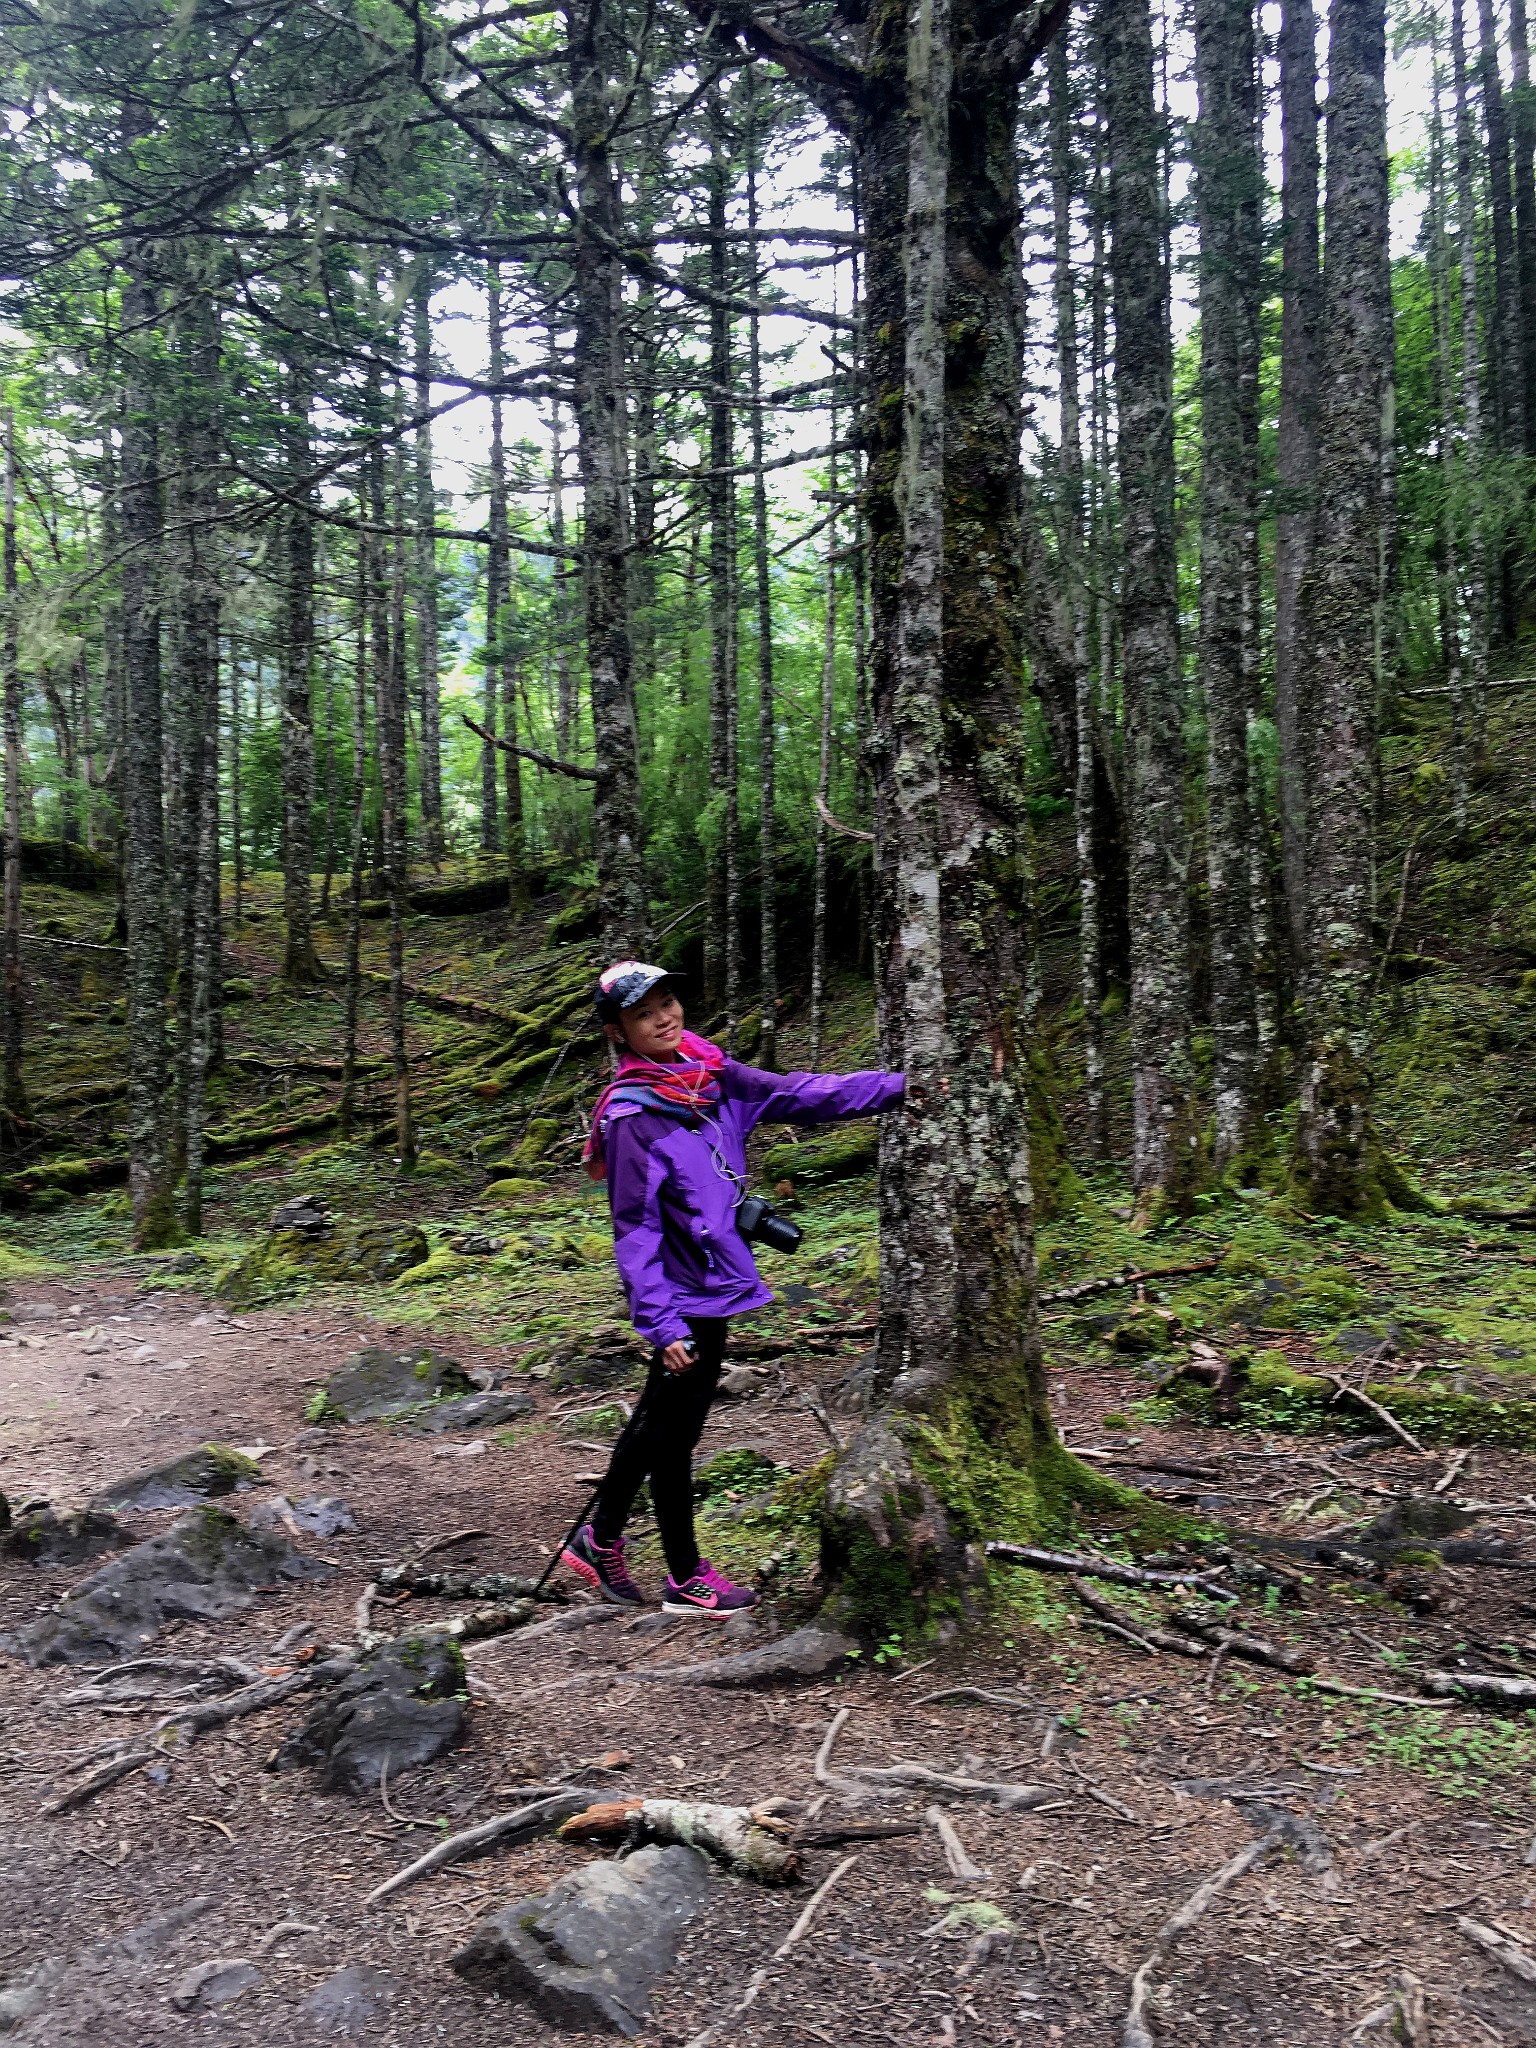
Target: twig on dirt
{"points": [[1096, 1791], [104, 1775], [280, 1932], [811, 1835], [1388, 1841], [1213, 1672], [1133, 1626], [1130, 1276], [974, 1692], [1481, 1688], [1372, 1692], [956, 1855], [816, 1408], [1136, 2033], [404, 1820], [1343, 1387], [1515, 1959], [824, 1755], [452, 1542], [881, 1777], [1117, 1574], [1403, 2011], [362, 1614], [190, 1722], [791, 1941], [554, 1804], [1452, 1471]]}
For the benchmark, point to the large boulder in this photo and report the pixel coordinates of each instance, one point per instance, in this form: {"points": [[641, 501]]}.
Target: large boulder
{"points": [[351, 2000], [376, 1383], [364, 1253], [588, 1952], [203, 1474], [206, 1567], [398, 1709]]}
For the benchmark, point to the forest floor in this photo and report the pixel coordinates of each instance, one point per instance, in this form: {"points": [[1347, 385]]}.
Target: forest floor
{"points": [[1393, 1823]]}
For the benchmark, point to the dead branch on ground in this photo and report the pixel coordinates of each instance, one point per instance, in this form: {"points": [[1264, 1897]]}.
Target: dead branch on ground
{"points": [[1137, 2034], [745, 1839]]}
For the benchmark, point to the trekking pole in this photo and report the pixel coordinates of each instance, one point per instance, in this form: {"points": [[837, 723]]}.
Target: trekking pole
{"points": [[591, 1502]]}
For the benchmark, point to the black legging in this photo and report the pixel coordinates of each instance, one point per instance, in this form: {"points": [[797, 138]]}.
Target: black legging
{"points": [[657, 1444]]}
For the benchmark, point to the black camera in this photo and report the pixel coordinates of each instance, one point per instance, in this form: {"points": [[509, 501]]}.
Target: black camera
{"points": [[760, 1223]]}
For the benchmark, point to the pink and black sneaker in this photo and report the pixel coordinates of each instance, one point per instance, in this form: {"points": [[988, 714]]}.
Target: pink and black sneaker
{"points": [[602, 1566], [707, 1592]]}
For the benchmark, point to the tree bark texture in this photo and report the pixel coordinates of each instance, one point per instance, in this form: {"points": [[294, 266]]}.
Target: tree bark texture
{"points": [[767, 1054], [298, 651], [1506, 340], [626, 922], [1522, 124], [1229, 196], [723, 682], [430, 749], [1164, 1160], [1301, 287], [1337, 1157], [1471, 480], [144, 877], [495, 568], [14, 1098]]}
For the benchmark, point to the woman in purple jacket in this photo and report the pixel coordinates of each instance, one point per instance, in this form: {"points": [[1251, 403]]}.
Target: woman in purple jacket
{"points": [[669, 1134]]}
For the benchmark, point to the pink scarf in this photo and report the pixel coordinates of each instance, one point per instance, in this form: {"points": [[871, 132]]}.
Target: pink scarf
{"points": [[685, 1089]]}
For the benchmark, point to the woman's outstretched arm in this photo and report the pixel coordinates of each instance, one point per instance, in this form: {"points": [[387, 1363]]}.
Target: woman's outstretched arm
{"points": [[810, 1098]]}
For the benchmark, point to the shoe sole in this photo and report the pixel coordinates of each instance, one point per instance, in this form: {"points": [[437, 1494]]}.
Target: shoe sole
{"points": [[706, 1613], [595, 1580]]}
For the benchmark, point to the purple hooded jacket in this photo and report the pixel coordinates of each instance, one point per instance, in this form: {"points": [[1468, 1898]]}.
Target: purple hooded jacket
{"points": [[674, 1202]]}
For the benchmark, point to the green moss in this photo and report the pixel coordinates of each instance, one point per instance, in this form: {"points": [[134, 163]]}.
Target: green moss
{"points": [[514, 1190], [321, 1408], [442, 1265], [821, 1161], [1277, 1397], [18, 1265]]}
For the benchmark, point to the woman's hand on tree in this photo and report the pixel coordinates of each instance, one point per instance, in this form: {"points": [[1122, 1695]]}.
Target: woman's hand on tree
{"points": [[679, 1355]]}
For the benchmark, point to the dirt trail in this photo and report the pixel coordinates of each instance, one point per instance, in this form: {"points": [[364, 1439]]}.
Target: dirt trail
{"points": [[1158, 1775]]}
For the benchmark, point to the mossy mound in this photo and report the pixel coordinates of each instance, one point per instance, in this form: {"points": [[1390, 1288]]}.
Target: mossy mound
{"points": [[376, 1253], [1274, 1396], [819, 1162], [18, 1265], [512, 1190], [67, 865], [444, 1264], [43, 1536]]}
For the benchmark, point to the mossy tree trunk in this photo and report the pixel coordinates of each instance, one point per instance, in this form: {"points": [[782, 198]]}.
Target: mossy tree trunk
{"points": [[955, 1446], [1339, 1162], [1165, 1148]]}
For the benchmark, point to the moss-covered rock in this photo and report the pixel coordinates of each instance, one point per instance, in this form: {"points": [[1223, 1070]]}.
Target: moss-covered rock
{"points": [[203, 1474], [375, 1383], [375, 1253], [513, 1190], [444, 1264], [43, 1536], [818, 1162], [1274, 1395]]}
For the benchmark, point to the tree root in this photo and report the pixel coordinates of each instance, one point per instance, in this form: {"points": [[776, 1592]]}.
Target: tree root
{"points": [[1137, 2033], [552, 1804], [1071, 1562]]}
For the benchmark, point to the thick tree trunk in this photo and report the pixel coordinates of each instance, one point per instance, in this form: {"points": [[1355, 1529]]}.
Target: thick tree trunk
{"points": [[1448, 558], [1338, 1162], [723, 683], [298, 653], [352, 974], [1471, 493], [1296, 444], [430, 748], [824, 769], [1229, 191], [960, 1392], [1523, 145], [1506, 341], [144, 878], [626, 921], [1070, 544], [1165, 1143], [13, 1091], [495, 570], [767, 1054]]}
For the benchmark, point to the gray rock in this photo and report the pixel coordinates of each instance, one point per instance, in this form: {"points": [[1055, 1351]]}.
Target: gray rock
{"points": [[375, 1383], [347, 2002], [614, 1363], [588, 1952], [1421, 1521], [206, 1567], [219, 1982], [42, 1986], [473, 1411], [364, 1252], [203, 1474], [43, 1536], [398, 1708], [308, 1214], [35, 1312], [809, 1652], [317, 1515]]}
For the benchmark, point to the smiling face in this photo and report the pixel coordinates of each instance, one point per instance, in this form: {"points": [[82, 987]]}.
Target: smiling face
{"points": [[652, 1027]]}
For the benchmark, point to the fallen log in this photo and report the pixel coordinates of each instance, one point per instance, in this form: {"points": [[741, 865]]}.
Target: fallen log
{"points": [[1481, 1688], [1140, 1631], [415, 1578], [746, 1841], [1073, 1562], [1233, 1642], [1514, 1958], [1130, 1276], [105, 1774]]}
